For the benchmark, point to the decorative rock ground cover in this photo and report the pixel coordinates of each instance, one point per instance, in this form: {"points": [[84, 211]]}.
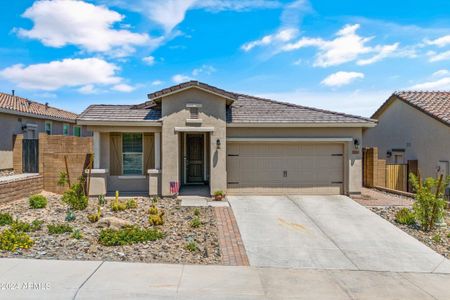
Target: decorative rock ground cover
{"points": [[177, 229], [437, 239]]}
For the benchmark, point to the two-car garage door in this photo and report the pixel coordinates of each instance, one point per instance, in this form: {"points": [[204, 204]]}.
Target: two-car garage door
{"points": [[285, 168]]}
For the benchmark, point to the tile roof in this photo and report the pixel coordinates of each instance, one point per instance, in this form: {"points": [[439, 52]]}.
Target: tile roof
{"points": [[119, 113], [14, 104], [244, 109], [250, 109], [434, 103], [192, 83]]}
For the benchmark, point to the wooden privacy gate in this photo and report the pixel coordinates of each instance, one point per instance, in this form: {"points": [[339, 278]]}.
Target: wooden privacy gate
{"points": [[397, 177], [30, 156]]}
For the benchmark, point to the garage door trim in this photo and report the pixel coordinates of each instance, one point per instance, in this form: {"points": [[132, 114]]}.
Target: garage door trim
{"points": [[281, 140]]}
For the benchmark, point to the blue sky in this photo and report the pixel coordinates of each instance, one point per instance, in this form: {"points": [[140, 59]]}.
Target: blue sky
{"points": [[344, 55]]}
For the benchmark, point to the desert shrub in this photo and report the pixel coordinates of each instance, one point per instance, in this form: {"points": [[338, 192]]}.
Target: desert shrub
{"points": [[218, 193], [101, 200], [37, 201], [405, 216], [59, 228], [195, 223], [191, 246], [70, 216], [197, 212], [20, 226], [118, 206], [5, 219], [77, 234], [155, 199], [128, 235], [153, 210], [11, 240], [95, 217], [429, 205], [75, 197], [132, 203], [156, 220], [437, 238]]}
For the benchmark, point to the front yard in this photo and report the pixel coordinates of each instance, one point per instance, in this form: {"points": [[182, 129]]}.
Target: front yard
{"points": [[188, 235]]}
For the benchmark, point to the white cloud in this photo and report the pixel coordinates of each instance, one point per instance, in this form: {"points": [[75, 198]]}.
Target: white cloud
{"points": [[149, 60], [341, 78], [179, 78], [61, 22], [440, 42], [282, 36], [157, 82], [65, 73], [383, 52], [434, 57], [88, 89], [124, 88], [440, 73], [204, 69], [440, 84]]}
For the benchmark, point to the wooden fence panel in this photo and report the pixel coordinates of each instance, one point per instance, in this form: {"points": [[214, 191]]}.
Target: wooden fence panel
{"points": [[396, 177]]}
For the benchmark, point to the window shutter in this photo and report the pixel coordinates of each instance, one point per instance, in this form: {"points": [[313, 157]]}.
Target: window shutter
{"points": [[115, 154], [149, 151]]}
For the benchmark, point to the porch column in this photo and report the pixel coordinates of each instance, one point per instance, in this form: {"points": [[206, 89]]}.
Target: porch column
{"points": [[96, 144], [157, 150]]}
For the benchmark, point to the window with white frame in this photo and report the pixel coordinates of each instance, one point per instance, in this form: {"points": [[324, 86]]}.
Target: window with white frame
{"points": [[132, 151], [48, 127], [76, 131], [66, 128]]}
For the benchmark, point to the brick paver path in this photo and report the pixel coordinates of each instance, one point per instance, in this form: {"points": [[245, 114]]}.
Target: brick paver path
{"points": [[231, 245]]}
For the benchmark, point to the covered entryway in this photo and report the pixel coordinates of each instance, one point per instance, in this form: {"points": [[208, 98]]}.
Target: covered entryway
{"points": [[285, 168]]}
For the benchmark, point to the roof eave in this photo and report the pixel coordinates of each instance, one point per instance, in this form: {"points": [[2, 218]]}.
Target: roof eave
{"points": [[230, 99], [305, 124], [90, 122], [36, 116]]}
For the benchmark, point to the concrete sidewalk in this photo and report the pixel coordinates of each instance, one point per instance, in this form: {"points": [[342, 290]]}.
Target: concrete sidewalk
{"points": [[46, 279]]}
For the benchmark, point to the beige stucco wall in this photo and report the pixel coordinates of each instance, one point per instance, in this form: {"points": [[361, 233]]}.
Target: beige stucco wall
{"points": [[11, 125], [404, 127], [175, 114], [352, 171]]}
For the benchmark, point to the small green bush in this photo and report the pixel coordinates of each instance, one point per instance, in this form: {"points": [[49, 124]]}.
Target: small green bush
{"points": [[118, 206], [20, 226], [95, 217], [448, 235], [11, 240], [132, 203], [70, 215], [156, 220], [197, 212], [101, 200], [77, 234], [405, 217], [59, 228], [155, 200], [153, 210], [37, 201], [437, 238], [5, 219], [195, 223], [192, 246], [128, 235], [75, 197], [219, 193]]}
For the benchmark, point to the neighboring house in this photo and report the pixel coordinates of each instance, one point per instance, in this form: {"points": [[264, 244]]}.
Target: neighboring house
{"points": [[19, 115], [197, 134], [414, 126]]}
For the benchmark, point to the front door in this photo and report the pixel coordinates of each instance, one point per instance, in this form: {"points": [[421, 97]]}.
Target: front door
{"points": [[194, 158]]}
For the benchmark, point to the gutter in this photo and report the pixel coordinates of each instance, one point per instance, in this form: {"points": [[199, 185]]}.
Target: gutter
{"points": [[36, 116]]}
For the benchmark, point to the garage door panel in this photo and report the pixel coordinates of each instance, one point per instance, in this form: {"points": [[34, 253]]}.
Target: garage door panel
{"points": [[289, 168]]}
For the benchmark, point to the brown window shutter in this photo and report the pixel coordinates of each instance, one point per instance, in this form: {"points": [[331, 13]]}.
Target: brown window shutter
{"points": [[115, 154], [149, 151]]}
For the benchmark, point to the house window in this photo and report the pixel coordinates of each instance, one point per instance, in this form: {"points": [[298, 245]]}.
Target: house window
{"points": [[76, 131], [48, 127], [194, 112], [132, 154], [66, 128]]}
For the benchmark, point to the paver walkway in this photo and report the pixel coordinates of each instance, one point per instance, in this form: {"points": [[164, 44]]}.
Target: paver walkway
{"points": [[46, 279]]}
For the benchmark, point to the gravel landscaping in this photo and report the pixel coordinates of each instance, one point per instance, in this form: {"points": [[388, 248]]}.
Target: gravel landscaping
{"points": [[172, 248], [437, 239]]}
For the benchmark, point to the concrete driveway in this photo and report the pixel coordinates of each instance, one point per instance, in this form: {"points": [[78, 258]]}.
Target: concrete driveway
{"points": [[327, 232]]}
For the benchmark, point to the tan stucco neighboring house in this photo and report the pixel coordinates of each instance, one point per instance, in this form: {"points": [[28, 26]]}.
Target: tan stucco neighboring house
{"points": [[197, 134], [414, 125], [23, 116]]}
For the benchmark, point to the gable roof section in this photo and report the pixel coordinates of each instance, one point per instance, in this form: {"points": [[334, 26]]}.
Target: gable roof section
{"points": [[244, 110], [435, 104], [254, 110], [191, 84], [21, 106]]}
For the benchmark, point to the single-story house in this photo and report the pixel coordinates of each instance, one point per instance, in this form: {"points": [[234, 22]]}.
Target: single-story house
{"points": [[23, 116], [414, 125], [197, 134]]}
